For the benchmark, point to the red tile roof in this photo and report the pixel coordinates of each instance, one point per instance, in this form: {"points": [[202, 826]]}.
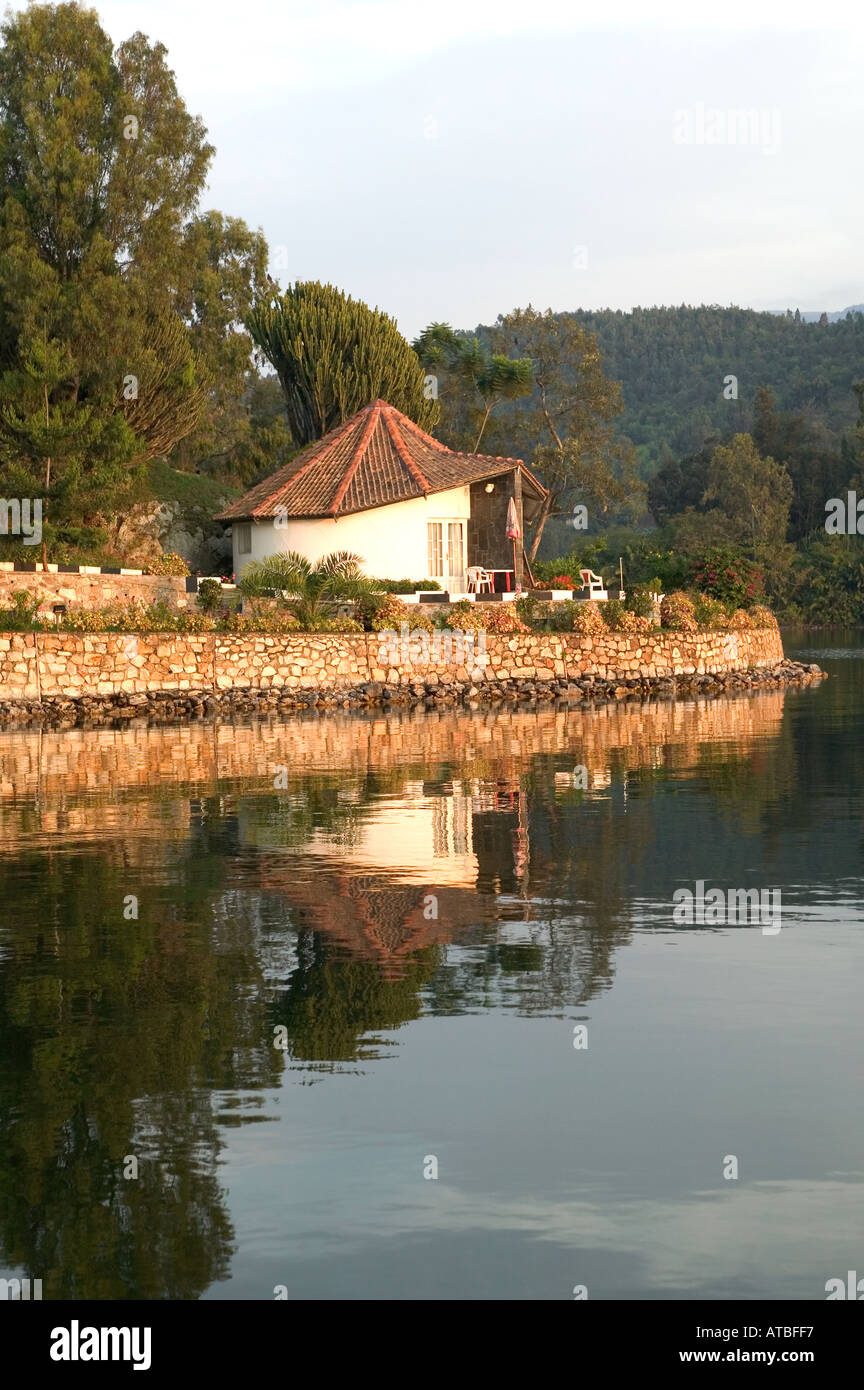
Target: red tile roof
{"points": [[376, 457]]}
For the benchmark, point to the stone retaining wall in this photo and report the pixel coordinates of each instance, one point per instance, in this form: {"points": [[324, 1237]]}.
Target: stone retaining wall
{"points": [[33, 665], [91, 591]]}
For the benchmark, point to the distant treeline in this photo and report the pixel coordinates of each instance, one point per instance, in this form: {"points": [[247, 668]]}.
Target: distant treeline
{"points": [[673, 362]]}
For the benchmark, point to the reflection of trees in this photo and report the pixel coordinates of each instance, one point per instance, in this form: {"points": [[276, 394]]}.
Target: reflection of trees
{"points": [[115, 1034], [111, 1034], [332, 1004]]}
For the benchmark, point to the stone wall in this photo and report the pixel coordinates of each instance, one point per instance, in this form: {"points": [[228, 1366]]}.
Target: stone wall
{"points": [[89, 591], [33, 665]]}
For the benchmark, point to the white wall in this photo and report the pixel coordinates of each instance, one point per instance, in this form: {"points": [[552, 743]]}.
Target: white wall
{"points": [[390, 540]]}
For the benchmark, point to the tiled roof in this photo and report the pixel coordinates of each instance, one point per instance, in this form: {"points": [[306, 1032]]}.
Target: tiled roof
{"points": [[376, 457]]}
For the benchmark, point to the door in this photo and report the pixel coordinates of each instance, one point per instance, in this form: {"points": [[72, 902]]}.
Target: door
{"points": [[446, 554]]}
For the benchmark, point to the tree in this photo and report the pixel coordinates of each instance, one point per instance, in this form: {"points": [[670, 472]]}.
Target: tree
{"points": [[227, 271], [333, 355], [478, 375], [753, 496], [570, 412], [108, 320], [312, 592]]}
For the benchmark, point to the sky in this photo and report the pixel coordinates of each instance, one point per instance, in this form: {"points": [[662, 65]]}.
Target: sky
{"points": [[451, 161]]}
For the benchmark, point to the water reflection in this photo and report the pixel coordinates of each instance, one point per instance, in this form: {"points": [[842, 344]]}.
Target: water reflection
{"points": [[175, 899]]}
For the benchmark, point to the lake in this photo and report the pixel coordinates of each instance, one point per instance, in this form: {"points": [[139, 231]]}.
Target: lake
{"points": [[395, 1007]]}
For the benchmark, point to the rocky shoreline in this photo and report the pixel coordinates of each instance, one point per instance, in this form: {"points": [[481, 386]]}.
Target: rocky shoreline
{"points": [[162, 707]]}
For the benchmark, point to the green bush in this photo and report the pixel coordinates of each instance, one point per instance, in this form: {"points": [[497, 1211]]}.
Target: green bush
{"points": [[407, 586], [210, 596], [612, 613], [710, 613], [21, 617], [639, 599]]}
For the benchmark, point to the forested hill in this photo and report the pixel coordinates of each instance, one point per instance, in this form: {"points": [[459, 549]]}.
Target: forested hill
{"points": [[672, 363]]}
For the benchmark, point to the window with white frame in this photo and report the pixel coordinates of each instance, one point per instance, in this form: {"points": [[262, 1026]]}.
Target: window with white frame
{"points": [[244, 538]]}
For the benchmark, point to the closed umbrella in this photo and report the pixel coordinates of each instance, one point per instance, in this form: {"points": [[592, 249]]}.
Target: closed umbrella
{"points": [[514, 530]]}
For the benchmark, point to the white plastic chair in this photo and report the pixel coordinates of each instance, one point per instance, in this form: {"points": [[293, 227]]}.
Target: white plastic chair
{"points": [[478, 580], [594, 584]]}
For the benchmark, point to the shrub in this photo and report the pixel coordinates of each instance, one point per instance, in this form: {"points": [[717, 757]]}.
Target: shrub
{"points": [[563, 581], [407, 586], [210, 596], [337, 623], [762, 617], [726, 574], [502, 618], [390, 613], [22, 616], [710, 613], [170, 563], [273, 622], [612, 614], [676, 612], [639, 600], [636, 622], [465, 616], [561, 616], [87, 620], [740, 620], [620, 619], [588, 619], [529, 612]]}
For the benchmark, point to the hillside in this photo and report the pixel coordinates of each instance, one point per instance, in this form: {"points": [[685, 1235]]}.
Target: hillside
{"points": [[672, 363]]}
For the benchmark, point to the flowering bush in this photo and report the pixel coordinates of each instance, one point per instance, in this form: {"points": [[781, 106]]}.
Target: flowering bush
{"points": [[466, 616], [620, 619], [724, 574], [762, 617], [391, 613], [677, 612], [503, 618], [85, 620], [563, 581], [740, 620], [588, 620], [170, 563]]}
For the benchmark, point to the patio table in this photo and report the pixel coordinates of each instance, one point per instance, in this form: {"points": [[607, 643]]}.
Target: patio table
{"points": [[507, 584]]}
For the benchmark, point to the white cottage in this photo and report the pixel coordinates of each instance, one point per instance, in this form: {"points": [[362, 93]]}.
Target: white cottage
{"points": [[380, 486]]}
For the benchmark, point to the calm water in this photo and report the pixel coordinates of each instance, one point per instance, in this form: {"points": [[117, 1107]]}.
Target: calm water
{"points": [[286, 1035]]}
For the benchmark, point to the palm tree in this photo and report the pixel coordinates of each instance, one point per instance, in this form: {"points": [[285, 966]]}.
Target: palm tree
{"points": [[312, 592]]}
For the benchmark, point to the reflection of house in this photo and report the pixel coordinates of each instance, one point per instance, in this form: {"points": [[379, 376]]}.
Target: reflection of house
{"points": [[412, 874], [373, 915], [380, 486]]}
